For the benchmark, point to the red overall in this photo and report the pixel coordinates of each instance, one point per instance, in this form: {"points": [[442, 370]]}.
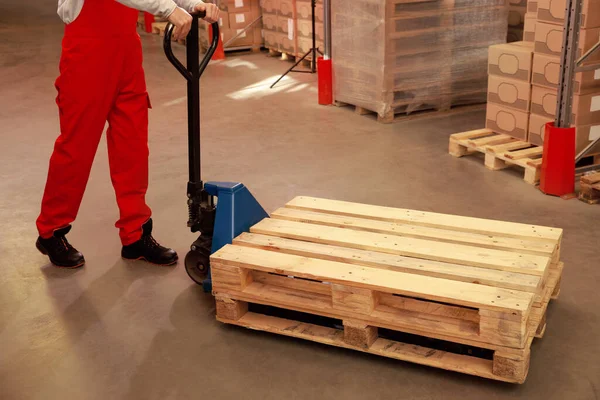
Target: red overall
{"points": [[101, 80]]}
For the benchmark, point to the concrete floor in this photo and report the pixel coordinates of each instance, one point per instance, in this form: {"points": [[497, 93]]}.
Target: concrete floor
{"points": [[118, 330]]}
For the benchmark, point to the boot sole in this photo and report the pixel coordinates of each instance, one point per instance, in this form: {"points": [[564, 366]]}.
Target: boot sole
{"points": [[42, 250], [150, 262]]}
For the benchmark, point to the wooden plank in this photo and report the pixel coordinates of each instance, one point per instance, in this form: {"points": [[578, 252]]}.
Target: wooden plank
{"points": [[409, 247], [501, 148], [229, 308], [471, 134], [454, 292], [407, 230], [526, 153], [483, 276], [453, 222], [383, 347], [489, 141], [591, 178], [535, 163], [359, 334]]}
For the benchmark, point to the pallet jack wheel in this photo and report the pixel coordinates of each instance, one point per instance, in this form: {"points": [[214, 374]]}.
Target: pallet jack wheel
{"points": [[197, 264]]}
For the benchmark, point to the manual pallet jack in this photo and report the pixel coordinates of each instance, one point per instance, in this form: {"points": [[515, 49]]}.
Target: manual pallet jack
{"points": [[218, 211]]}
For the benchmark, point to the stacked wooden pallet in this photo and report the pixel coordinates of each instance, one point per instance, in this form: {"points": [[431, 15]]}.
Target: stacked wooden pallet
{"points": [[457, 293], [400, 57], [589, 190]]}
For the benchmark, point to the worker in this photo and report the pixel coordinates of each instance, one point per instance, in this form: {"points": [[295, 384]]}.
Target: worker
{"points": [[102, 80]]}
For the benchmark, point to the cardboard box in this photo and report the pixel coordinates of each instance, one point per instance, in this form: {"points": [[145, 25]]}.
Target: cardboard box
{"points": [[286, 25], [286, 9], [546, 72], [549, 39], [304, 29], [583, 134], [270, 22], [271, 40], [537, 125], [286, 44], [586, 107], [553, 12], [245, 39], [532, 6], [509, 92], [237, 6], [240, 20], [529, 27], [304, 45], [303, 8], [512, 60], [516, 15], [270, 6], [507, 120]]}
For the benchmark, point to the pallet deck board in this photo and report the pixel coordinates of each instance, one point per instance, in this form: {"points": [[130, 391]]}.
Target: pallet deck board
{"points": [[382, 347], [484, 276], [405, 246], [385, 273], [453, 222], [416, 231]]}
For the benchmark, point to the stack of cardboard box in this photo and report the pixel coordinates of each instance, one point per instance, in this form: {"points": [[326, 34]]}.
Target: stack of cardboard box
{"points": [[516, 20], [287, 25], [235, 16], [544, 27], [509, 88]]}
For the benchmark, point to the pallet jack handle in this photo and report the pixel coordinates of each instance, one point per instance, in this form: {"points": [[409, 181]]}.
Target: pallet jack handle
{"points": [[193, 47], [200, 203]]}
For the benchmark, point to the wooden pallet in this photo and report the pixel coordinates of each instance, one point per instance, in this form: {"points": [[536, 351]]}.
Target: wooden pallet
{"points": [[501, 151], [470, 282], [589, 190], [393, 116], [284, 56]]}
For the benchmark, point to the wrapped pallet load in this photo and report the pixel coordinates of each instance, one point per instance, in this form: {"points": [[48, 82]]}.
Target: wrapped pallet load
{"points": [[402, 56]]}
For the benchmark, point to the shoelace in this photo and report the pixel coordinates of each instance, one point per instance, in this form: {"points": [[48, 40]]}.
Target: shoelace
{"points": [[62, 244], [150, 242]]}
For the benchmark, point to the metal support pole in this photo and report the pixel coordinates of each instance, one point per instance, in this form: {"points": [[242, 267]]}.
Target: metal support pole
{"points": [[564, 108], [327, 28]]}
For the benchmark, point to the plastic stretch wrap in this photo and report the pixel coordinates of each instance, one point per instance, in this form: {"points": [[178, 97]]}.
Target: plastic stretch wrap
{"points": [[411, 55]]}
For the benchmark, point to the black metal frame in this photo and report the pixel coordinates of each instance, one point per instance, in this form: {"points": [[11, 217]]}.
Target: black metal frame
{"points": [[201, 205], [314, 50]]}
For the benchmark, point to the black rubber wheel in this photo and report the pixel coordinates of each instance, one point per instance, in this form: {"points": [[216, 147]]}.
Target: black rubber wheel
{"points": [[197, 266]]}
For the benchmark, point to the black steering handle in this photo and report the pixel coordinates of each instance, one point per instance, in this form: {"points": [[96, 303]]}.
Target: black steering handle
{"points": [[193, 47]]}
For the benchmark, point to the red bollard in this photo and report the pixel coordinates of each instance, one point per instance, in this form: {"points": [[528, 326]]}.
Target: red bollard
{"points": [[558, 163], [220, 51], [148, 20], [325, 78]]}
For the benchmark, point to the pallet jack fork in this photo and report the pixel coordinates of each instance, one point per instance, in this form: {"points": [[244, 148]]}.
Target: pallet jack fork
{"points": [[219, 211]]}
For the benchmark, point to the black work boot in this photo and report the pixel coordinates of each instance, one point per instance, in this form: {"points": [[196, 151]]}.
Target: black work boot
{"points": [[148, 249], [59, 250]]}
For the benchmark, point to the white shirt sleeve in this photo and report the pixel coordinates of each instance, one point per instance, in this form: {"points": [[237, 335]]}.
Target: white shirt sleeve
{"points": [[68, 10], [161, 8], [188, 5]]}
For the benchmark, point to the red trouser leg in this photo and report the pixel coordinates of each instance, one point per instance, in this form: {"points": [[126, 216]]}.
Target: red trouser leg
{"points": [[127, 138], [86, 88]]}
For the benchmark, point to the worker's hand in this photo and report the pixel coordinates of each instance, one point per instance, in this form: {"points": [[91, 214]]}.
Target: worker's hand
{"points": [[182, 21], [212, 11]]}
